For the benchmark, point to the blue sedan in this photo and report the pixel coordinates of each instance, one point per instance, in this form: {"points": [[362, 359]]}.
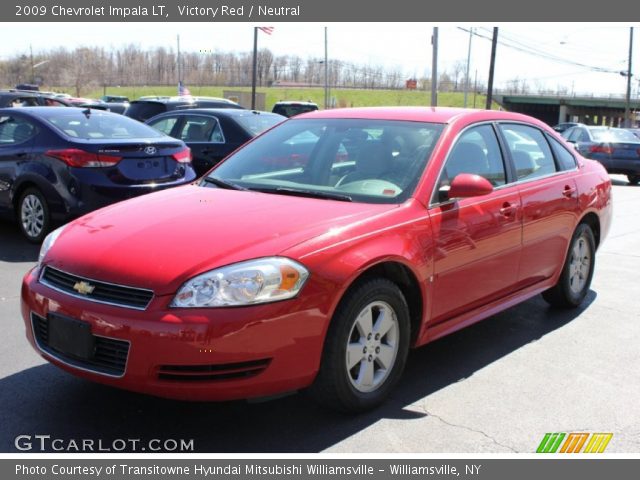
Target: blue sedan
{"points": [[59, 163]]}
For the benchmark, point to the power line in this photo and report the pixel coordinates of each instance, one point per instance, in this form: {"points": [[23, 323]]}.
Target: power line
{"points": [[529, 50]]}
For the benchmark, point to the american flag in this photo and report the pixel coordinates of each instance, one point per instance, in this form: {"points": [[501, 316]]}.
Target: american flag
{"points": [[182, 90], [267, 30]]}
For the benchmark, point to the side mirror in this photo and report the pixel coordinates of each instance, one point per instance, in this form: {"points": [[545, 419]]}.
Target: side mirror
{"points": [[466, 185]]}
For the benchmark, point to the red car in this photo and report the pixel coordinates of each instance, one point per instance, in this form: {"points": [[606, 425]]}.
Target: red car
{"points": [[403, 225]]}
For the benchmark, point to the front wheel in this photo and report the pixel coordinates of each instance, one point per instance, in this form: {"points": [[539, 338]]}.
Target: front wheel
{"points": [[365, 349], [33, 215], [633, 179], [577, 272]]}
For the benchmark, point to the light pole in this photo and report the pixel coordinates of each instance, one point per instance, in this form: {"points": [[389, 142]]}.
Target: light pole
{"points": [[467, 79], [434, 68], [627, 106]]}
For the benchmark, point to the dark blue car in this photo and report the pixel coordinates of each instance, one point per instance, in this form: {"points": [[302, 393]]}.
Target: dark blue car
{"points": [[60, 163]]}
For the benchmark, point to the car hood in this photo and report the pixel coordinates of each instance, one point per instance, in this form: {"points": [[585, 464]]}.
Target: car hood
{"points": [[158, 241]]}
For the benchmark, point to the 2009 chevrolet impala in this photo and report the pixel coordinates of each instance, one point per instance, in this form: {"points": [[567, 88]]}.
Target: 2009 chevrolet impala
{"points": [[317, 255]]}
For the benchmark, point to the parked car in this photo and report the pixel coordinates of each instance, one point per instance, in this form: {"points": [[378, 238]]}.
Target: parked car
{"points": [[266, 277], [24, 98], [213, 133], [293, 108], [109, 107], [57, 164], [561, 127], [114, 99], [143, 110], [617, 149]]}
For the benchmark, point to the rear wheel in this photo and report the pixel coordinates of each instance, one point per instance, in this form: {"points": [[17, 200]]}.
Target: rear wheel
{"points": [[633, 179], [366, 348], [33, 215], [577, 272]]}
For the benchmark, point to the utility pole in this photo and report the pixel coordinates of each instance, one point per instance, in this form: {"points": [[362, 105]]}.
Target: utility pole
{"points": [[434, 68], [467, 79], [492, 67], [627, 106], [326, 71], [255, 68]]}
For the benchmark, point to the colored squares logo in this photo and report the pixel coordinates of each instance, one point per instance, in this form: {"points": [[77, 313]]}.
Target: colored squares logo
{"points": [[574, 442]]}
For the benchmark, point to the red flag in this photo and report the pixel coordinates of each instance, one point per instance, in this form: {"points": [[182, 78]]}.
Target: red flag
{"points": [[267, 30]]}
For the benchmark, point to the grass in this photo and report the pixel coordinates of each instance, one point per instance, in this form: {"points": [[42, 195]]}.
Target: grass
{"points": [[347, 97]]}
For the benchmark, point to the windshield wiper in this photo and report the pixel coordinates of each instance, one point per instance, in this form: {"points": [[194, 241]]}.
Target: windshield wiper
{"points": [[306, 193], [223, 183]]}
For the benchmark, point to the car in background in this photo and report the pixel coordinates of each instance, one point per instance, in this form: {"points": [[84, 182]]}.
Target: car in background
{"points": [[26, 98], [108, 107], [561, 127], [292, 108], [57, 164], [213, 133], [617, 149], [143, 110], [266, 277], [114, 99]]}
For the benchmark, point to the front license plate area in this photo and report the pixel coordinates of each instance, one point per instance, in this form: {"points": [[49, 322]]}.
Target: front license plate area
{"points": [[71, 337]]}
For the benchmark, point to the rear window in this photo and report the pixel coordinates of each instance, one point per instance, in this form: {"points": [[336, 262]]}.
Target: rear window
{"points": [[257, 123], [612, 135], [99, 125], [145, 110], [293, 110]]}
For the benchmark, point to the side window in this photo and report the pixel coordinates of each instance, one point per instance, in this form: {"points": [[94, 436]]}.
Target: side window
{"points": [[584, 135], [574, 135], [164, 125], [564, 158], [476, 151], [14, 130], [216, 134], [197, 128], [529, 150]]}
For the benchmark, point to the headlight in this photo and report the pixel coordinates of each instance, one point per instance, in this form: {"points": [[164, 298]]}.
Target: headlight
{"points": [[246, 283], [48, 243]]}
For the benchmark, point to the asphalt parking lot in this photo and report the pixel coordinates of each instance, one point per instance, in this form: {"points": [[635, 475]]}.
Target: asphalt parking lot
{"points": [[498, 386]]}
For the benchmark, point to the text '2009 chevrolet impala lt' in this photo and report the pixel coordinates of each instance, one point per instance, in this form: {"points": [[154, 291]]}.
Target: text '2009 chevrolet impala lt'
{"points": [[318, 254]]}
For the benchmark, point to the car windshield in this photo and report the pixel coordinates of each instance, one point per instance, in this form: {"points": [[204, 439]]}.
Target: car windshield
{"points": [[372, 161], [256, 123], [96, 125], [613, 135]]}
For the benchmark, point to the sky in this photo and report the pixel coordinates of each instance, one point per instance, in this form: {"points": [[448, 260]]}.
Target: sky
{"points": [[584, 58]]}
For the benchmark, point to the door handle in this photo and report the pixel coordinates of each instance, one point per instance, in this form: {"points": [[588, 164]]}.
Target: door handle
{"points": [[568, 191], [507, 209]]}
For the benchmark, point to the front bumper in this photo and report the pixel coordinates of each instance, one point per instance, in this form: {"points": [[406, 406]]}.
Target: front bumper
{"points": [[192, 354]]}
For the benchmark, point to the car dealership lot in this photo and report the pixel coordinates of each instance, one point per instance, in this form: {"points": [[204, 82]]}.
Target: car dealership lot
{"points": [[498, 386]]}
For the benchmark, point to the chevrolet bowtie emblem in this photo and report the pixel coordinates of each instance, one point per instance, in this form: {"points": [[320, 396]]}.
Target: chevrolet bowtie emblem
{"points": [[84, 288]]}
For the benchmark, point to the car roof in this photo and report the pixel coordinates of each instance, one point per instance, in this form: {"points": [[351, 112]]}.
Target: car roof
{"points": [[295, 102], [49, 112], [183, 100], [420, 114], [229, 112]]}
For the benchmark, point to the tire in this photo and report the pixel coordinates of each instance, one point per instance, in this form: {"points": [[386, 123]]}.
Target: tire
{"points": [[633, 179], [376, 361], [577, 271], [33, 215]]}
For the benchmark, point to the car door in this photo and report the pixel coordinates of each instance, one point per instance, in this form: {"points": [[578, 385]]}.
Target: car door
{"points": [[477, 240], [16, 144], [549, 195]]}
